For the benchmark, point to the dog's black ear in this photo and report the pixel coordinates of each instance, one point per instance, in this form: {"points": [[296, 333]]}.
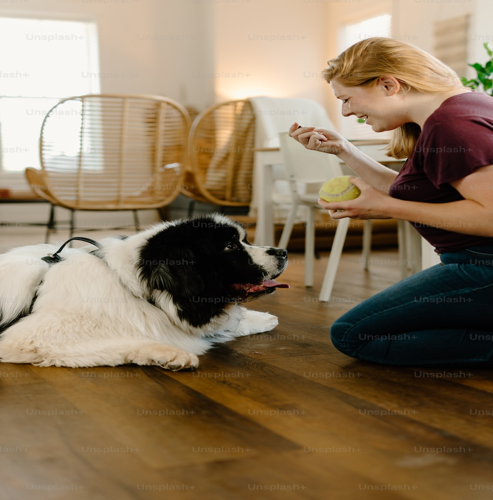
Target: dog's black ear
{"points": [[176, 274]]}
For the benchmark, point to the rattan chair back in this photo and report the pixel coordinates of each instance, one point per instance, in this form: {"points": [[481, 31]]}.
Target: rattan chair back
{"points": [[114, 152], [221, 155]]}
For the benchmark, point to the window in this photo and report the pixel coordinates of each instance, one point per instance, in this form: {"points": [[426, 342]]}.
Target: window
{"points": [[43, 61], [351, 34]]}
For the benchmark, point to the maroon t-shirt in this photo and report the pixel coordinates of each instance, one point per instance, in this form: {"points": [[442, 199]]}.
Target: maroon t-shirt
{"points": [[456, 139]]}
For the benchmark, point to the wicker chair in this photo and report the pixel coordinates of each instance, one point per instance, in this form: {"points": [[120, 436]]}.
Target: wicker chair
{"points": [[221, 155], [111, 152]]}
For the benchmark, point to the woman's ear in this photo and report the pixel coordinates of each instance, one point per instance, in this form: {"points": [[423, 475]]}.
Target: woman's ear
{"points": [[389, 84]]}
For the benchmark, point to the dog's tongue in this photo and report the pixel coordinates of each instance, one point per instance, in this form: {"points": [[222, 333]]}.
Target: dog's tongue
{"points": [[274, 284], [246, 290]]}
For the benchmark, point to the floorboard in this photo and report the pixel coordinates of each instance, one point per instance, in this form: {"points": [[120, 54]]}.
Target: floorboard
{"points": [[279, 415]]}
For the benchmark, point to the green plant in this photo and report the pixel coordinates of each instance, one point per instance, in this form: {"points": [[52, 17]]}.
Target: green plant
{"points": [[483, 80]]}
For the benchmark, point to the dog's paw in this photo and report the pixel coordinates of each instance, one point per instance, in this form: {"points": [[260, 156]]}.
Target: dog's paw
{"points": [[257, 322], [173, 359]]}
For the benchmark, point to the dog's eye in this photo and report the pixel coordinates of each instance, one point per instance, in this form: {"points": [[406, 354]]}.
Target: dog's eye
{"points": [[230, 247]]}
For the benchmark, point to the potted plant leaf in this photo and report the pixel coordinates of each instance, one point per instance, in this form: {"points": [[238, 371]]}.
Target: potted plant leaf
{"points": [[483, 80]]}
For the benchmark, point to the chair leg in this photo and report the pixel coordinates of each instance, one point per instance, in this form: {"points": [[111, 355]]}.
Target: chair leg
{"points": [[191, 206], [51, 223], [288, 227], [335, 257], [72, 226], [366, 244], [402, 241], [136, 221], [163, 213], [72, 222], [310, 246]]}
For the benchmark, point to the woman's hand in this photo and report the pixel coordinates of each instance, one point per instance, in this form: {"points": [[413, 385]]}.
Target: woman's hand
{"points": [[370, 204], [319, 139]]}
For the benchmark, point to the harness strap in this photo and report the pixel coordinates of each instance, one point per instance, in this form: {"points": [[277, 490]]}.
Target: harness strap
{"points": [[54, 258]]}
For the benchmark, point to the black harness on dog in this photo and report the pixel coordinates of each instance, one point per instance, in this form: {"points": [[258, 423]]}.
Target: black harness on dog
{"points": [[55, 258]]}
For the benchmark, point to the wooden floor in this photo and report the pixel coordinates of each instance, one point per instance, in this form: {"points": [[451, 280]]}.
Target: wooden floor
{"points": [[280, 415]]}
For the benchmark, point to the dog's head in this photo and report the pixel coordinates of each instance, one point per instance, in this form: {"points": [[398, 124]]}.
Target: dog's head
{"points": [[206, 263]]}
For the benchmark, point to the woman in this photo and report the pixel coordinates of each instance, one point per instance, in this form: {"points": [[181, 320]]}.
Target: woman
{"points": [[439, 316]]}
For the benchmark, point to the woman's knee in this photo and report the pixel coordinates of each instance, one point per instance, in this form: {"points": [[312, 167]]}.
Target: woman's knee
{"points": [[339, 337]]}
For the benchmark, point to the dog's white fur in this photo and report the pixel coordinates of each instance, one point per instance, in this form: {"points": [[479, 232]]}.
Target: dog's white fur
{"points": [[92, 312]]}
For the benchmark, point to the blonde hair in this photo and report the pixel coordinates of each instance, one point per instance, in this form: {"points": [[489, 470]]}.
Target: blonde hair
{"points": [[364, 62]]}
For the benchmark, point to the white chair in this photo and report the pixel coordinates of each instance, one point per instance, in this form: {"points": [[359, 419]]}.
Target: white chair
{"points": [[305, 169], [274, 115]]}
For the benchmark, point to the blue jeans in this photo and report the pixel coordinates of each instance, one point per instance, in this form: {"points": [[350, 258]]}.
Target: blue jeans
{"points": [[442, 316]]}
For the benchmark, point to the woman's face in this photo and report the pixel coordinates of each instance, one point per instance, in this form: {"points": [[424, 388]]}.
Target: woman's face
{"points": [[381, 104]]}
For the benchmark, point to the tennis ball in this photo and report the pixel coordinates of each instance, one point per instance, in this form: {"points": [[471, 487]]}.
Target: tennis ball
{"points": [[339, 189]]}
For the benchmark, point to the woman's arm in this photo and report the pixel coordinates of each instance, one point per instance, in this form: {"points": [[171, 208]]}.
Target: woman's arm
{"points": [[464, 216], [373, 173], [473, 215], [327, 141]]}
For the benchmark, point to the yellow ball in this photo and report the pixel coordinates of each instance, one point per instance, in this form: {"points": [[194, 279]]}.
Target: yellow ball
{"points": [[339, 189]]}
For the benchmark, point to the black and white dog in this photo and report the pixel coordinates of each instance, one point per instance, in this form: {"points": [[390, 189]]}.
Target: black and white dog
{"points": [[159, 297]]}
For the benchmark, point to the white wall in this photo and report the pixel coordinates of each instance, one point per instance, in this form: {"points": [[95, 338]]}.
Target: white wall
{"points": [[481, 30], [275, 47]]}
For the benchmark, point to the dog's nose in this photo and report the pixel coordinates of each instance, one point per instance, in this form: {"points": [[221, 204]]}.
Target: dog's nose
{"points": [[277, 252], [282, 253]]}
